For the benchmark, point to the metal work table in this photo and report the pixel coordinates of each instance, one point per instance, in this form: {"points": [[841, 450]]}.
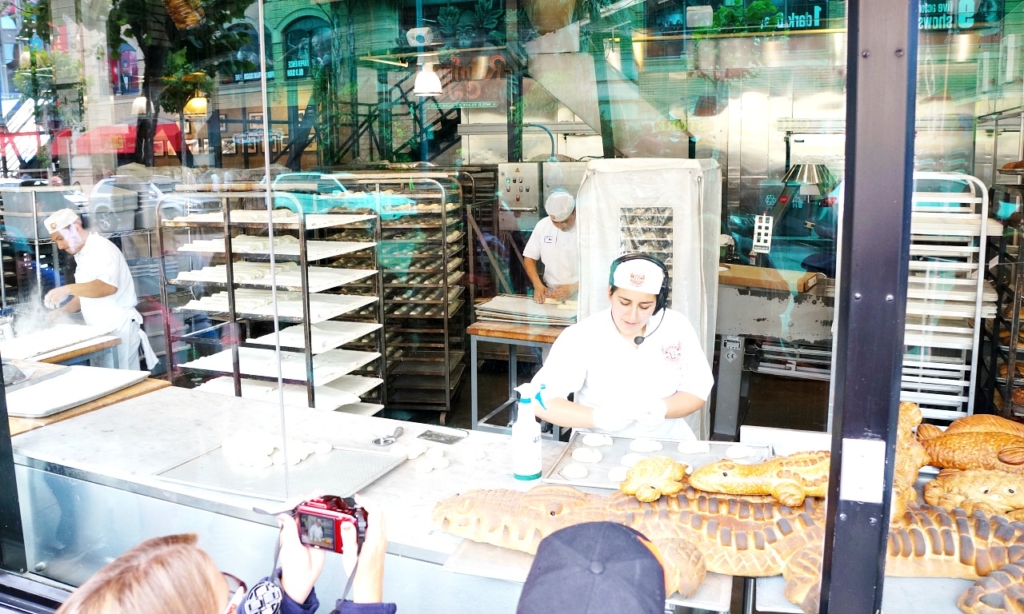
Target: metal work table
{"points": [[513, 335], [103, 469]]}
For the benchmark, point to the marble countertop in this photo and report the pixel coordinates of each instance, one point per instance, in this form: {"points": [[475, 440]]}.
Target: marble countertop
{"points": [[132, 442]]}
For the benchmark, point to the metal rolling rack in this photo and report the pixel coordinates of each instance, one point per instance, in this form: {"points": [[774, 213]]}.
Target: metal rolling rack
{"points": [[946, 295], [424, 259], [233, 318]]}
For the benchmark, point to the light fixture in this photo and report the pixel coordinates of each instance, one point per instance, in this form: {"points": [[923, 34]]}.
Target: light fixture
{"points": [[140, 106], [427, 82], [196, 106]]}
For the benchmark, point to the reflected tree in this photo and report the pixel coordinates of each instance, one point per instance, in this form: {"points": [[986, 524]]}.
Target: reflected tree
{"points": [[178, 38]]}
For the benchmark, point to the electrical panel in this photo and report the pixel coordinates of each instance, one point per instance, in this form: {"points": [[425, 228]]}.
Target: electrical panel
{"points": [[519, 195]]}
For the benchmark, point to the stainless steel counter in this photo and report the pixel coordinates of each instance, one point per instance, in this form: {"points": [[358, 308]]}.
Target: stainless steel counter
{"points": [[100, 473]]}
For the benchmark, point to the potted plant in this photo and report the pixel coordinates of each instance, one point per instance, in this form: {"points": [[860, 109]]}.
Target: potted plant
{"points": [[729, 48]]}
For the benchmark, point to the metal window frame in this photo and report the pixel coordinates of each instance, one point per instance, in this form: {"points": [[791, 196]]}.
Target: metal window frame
{"points": [[879, 150]]}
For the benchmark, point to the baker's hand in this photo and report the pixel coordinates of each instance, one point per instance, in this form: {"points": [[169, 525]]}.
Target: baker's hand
{"points": [[55, 297], [559, 293], [611, 420], [539, 293], [652, 414], [300, 564]]}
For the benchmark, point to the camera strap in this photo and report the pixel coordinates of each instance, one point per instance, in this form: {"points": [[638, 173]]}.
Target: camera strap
{"points": [[265, 596]]}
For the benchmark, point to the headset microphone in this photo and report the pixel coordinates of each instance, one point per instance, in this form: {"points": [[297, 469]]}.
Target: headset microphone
{"points": [[639, 340]]}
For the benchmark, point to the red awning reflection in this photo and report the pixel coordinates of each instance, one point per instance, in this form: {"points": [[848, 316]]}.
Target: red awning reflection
{"points": [[116, 139]]}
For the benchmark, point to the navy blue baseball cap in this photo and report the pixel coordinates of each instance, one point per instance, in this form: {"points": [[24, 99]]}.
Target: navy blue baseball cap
{"points": [[594, 568]]}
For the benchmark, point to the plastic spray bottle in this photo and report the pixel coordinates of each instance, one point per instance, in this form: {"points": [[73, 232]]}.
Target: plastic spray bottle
{"points": [[526, 452]]}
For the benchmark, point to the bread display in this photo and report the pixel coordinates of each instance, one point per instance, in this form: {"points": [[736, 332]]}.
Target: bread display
{"points": [[986, 423], [984, 490], [787, 478], [653, 477], [975, 450], [910, 457]]}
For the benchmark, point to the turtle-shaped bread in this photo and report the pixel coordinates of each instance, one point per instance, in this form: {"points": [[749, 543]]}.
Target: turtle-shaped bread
{"points": [[653, 477]]}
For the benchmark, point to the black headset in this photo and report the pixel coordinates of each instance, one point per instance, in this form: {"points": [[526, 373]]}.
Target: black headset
{"points": [[662, 301]]}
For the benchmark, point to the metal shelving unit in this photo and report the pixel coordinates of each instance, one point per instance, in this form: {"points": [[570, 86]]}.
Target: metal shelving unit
{"points": [[424, 256], [316, 352], [948, 297]]}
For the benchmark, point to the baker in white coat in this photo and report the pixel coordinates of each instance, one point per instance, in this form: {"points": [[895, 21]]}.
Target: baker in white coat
{"points": [[636, 368], [555, 243], [103, 290]]}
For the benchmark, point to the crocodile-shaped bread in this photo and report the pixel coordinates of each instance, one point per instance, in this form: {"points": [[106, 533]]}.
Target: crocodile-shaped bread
{"points": [[787, 478], [974, 450], [985, 490], [744, 536], [910, 457], [653, 477], [985, 423]]}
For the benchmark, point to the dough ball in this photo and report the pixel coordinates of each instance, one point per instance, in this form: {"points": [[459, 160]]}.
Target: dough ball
{"points": [[438, 463], [415, 449], [617, 474], [424, 465], [574, 471], [262, 462], [694, 447], [587, 455], [631, 459], [597, 439], [739, 451], [322, 447], [644, 445], [277, 457], [434, 453]]}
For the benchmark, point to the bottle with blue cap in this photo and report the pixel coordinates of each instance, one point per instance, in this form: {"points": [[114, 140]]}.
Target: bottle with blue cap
{"points": [[526, 449]]}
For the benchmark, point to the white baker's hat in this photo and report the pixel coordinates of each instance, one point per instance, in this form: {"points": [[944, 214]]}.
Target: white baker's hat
{"points": [[560, 205], [59, 220], [640, 274]]}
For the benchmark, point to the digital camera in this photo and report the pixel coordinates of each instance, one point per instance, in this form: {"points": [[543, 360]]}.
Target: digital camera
{"points": [[321, 520]]}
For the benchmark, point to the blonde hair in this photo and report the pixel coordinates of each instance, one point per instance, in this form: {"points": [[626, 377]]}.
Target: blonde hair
{"points": [[163, 575]]}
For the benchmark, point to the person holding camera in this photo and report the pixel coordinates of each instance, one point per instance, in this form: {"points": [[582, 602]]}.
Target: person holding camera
{"points": [[172, 575]]}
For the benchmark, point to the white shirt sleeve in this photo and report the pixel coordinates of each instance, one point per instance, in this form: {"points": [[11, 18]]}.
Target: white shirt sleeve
{"points": [[99, 264], [532, 249], [695, 376], [565, 370]]}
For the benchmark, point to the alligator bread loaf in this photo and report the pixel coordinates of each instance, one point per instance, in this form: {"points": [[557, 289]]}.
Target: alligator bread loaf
{"points": [[787, 478], [985, 490], [986, 423], [971, 450]]}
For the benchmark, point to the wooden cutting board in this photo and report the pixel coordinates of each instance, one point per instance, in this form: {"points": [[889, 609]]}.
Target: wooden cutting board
{"points": [[769, 279]]}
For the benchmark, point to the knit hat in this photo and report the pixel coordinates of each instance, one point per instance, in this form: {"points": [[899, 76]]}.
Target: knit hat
{"points": [[560, 205], [59, 220], [594, 568]]}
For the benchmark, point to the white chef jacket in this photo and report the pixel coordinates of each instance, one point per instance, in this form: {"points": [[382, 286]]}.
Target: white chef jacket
{"points": [[558, 250], [101, 259], [603, 369]]}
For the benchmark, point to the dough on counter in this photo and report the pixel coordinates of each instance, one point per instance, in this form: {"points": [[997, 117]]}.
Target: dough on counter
{"points": [[479, 455], [642, 444], [322, 447], [574, 471], [587, 455], [694, 447], [739, 451], [277, 457], [415, 449], [597, 439], [434, 453], [631, 459], [424, 465], [617, 474], [438, 462]]}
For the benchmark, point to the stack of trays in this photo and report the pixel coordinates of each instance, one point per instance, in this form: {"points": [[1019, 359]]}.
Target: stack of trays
{"points": [[524, 310]]}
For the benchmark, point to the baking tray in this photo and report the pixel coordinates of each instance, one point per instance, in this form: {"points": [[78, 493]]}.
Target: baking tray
{"points": [[597, 476], [341, 472]]}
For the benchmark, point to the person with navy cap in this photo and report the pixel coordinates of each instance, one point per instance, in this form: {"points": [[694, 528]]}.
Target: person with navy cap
{"points": [[595, 568], [635, 369], [555, 243]]}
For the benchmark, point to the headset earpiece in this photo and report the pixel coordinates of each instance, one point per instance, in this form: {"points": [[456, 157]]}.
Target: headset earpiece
{"points": [[662, 301]]}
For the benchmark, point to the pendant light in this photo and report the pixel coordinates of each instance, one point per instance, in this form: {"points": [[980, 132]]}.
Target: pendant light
{"points": [[427, 82]]}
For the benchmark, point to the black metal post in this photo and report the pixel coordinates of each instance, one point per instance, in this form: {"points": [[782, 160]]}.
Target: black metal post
{"points": [[514, 82], [12, 536], [384, 129], [881, 86]]}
